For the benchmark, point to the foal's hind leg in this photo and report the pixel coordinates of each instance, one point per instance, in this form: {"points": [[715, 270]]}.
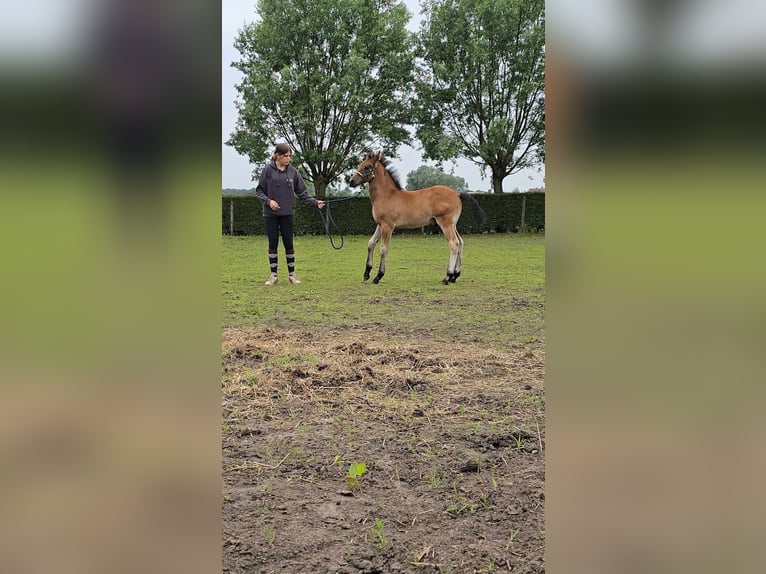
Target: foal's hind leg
{"points": [[454, 241], [370, 249], [459, 260]]}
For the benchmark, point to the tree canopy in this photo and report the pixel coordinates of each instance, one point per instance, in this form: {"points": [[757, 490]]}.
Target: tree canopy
{"points": [[426, 176], [329, 77], [481, 82]]}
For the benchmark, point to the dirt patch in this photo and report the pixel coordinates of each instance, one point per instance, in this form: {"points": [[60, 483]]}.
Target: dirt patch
{"points": [[452, 437]]}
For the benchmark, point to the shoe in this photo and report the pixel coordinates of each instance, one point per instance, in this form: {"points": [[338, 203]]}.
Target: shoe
{"points": [[293, 278], [272, 279]]}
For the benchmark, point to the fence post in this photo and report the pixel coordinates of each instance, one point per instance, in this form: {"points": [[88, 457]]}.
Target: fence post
{"points": [[231, 216], [523, 228]]}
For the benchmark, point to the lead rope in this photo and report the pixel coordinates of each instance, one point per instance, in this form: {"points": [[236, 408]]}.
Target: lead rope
{"points": [[330, 220]]}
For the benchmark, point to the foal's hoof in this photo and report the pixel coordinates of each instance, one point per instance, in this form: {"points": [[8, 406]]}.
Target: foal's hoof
{"points": [[376, 280], [445, 281]]}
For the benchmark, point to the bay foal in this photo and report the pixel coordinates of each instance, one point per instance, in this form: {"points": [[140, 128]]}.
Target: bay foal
{"points": [[393, 206]]}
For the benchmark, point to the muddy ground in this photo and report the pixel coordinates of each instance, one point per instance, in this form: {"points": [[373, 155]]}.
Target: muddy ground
{"points": [[452, 438]]}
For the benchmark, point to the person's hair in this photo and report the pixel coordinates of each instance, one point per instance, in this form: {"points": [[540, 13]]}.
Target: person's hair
{"points": [[281, 149]]}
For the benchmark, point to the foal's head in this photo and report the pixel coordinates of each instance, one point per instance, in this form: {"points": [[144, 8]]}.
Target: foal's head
{"points": [[365, 171]]}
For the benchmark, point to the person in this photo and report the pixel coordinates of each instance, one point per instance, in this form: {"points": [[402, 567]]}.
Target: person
{"points": [[277, 187]]}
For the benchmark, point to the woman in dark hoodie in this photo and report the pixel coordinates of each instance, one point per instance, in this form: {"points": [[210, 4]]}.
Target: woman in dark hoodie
{"points": [[277, 187]]}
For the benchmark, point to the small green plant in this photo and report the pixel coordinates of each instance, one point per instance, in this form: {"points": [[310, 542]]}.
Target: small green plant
{"points": [[460, 504], [377, 531], [433, 478], [459, 507], [280, 360], [268, 533], [355, 472]]}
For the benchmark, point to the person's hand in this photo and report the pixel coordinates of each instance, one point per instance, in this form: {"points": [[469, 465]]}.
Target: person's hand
{"points": [[273, 204], [320, 204]]}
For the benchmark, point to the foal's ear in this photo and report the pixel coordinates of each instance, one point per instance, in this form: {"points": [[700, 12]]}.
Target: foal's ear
{"points": [[379, 157]]}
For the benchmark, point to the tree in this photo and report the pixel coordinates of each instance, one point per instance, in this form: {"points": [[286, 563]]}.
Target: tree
{"points": [[481, 84], [426, 176], [329, 77]]}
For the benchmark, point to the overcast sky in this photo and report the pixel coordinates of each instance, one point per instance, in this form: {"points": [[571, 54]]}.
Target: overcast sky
{"points": [[237, 171]]}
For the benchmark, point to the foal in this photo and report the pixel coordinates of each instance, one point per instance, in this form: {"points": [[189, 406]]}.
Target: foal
{"points": [[394, 207]]}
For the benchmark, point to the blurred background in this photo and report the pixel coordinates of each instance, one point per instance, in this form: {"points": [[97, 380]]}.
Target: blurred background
{"points": [[655, 278], [110, 187]]}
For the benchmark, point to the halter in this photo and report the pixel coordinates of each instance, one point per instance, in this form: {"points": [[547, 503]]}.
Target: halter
{"points": [[372, 173]]}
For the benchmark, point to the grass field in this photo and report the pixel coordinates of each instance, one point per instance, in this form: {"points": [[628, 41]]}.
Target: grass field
{"points": [[498, 298]]}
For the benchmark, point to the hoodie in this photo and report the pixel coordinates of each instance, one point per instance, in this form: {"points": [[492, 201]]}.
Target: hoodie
{"points": [[281, 186]]}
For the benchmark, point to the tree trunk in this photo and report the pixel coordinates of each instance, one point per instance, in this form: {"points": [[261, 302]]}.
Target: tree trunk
{"points": [[497, 183], [320, 187]]}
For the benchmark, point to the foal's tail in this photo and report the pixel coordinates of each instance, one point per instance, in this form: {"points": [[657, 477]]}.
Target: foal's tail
{"points": [[478, 215]]}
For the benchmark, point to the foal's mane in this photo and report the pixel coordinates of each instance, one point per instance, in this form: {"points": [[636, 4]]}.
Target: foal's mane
{"points": [[391, 172]]}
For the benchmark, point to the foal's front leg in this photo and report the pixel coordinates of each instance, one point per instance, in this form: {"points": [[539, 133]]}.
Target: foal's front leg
{"points": [[370, 248], [385, 239]]}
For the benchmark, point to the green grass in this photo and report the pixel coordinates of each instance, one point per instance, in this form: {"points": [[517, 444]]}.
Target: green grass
{"points": [[498, 298]]}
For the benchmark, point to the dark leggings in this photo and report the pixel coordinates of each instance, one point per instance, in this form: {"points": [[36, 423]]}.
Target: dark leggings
{"points": [[275, 225]]}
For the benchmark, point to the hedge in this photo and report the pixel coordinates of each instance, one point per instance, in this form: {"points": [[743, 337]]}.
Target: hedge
{"points": [[353, 216]]}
